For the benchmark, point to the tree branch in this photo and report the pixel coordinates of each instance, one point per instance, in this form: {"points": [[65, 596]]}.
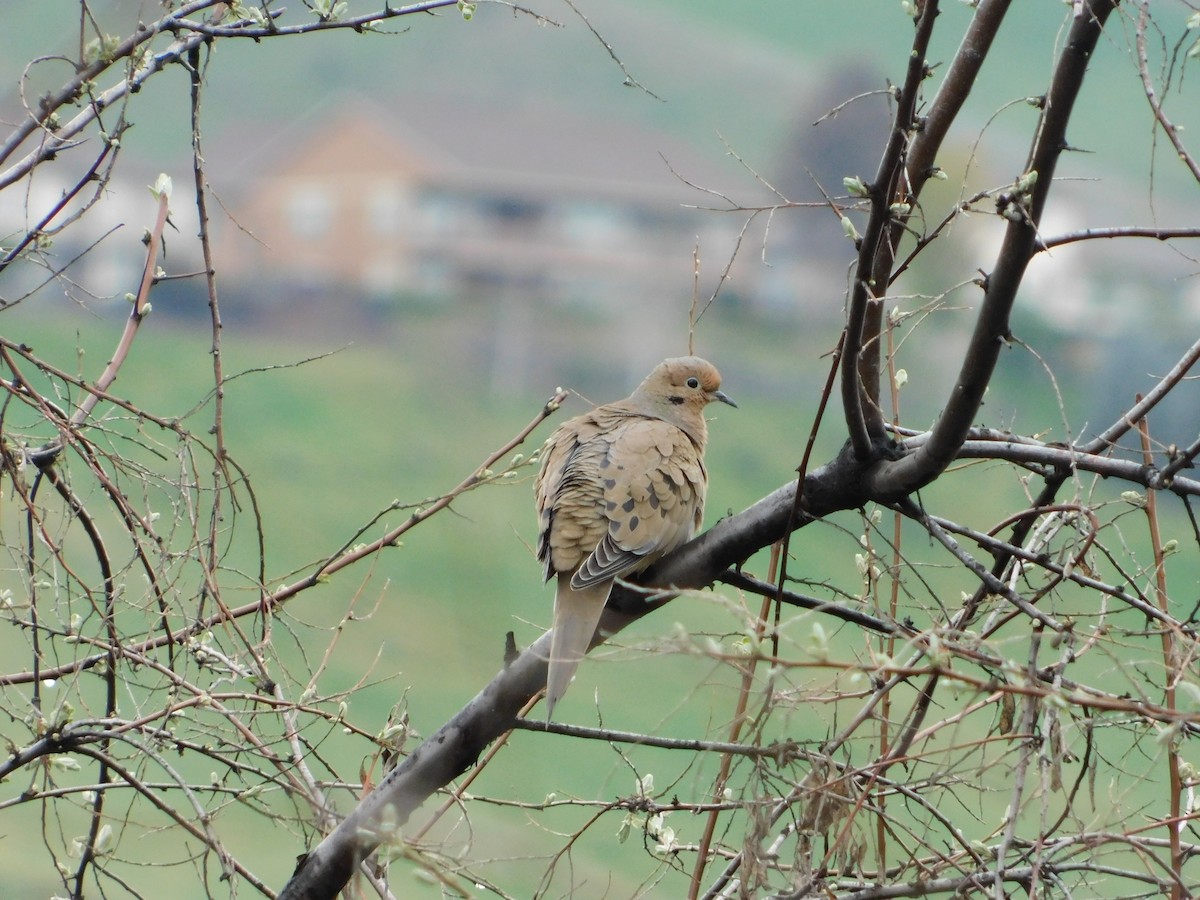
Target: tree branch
{"points": [[956, 87], [895, 479], [861, 348]]}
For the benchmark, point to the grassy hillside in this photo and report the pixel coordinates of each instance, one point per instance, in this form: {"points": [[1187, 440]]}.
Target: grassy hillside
{"points": [[333, 421], [402, 414]]}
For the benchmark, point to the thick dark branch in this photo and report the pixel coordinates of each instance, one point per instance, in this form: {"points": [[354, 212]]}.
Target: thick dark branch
{"points": [[956, 87], [895, 479], [986, 443], [449, 752], [840, 485], [456, 745], [861, 349]]}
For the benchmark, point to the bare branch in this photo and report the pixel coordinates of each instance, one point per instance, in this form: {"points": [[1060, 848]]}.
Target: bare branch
{"points": [[894, 479]]}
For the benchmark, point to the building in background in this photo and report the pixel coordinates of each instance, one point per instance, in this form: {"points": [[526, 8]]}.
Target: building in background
{"points": [[458, 199]]}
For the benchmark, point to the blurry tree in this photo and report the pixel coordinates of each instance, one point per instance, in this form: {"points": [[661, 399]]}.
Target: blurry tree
{"points": [[1009, 709]]}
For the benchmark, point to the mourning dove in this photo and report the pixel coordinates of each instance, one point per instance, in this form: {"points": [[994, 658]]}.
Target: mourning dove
{"points": [[619, 487]]}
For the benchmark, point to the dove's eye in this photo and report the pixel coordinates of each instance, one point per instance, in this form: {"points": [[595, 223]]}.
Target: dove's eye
{"points": [[693, 382]]}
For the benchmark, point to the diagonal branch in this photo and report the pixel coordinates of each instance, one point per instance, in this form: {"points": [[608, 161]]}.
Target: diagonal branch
{"points": [[895, 479], [955, 89], [876, 252], [455, 746]]}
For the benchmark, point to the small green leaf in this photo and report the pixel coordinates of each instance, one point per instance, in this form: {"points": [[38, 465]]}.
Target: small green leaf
{"points": [[856, 187], [161, 187]]}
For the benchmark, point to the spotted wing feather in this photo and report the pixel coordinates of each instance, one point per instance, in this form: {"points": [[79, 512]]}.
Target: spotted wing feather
{"points": [[653, 482]]}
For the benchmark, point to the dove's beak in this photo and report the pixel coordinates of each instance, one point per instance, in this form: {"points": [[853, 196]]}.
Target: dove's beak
{"points": [[723, 397]]}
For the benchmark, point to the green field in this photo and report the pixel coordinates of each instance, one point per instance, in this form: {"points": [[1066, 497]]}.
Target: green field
{"points": [[394, 415], [335, 418], [330, 443]]}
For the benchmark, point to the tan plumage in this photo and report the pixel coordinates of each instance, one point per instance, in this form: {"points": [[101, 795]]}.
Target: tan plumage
{"points": [[619, 487]]}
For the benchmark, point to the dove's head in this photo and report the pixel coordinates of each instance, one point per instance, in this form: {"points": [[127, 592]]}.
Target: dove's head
{"points": [[678, 390]]}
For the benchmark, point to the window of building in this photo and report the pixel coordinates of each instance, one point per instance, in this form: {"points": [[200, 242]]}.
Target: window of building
{"points": [[309, 211], [385, 208]]}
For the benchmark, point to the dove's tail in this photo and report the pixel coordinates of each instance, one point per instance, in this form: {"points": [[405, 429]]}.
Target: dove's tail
{"points": [[576, 615]]}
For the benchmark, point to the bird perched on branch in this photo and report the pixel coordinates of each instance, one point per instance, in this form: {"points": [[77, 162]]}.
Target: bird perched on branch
{"points": [[618, 488]]}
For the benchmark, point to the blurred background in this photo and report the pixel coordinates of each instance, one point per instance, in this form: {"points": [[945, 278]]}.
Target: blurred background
{"points": [[420, 234]]}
